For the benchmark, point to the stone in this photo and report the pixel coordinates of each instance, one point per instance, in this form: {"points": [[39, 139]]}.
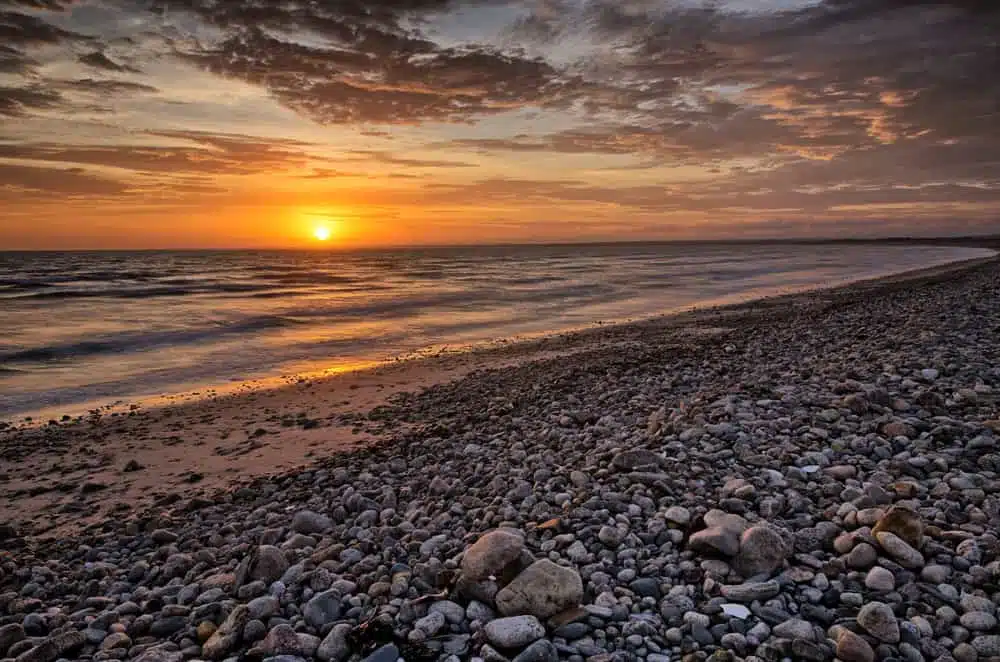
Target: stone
{"points": [[750, 591], [678, 515], [116, 640], [880, 579], [9, 635], [611, 536], [307, 522], [987, 645], [904, 523], [540, 651], [542, 590], [323, 608], [861, 556], [978, 621], [489, 555], [334, 647], [225, 638], [430, 624], [878, 620], [903, 553], [761, 550], [853, 648], [387, 653], [54, 647], [159, 654], [514, 631], [636, 459], [266, 563], [282, 640], [795, 628], [736, 611]]}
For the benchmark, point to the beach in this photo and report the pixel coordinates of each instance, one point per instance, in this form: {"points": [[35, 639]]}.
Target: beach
{"points": [[807, 476]]}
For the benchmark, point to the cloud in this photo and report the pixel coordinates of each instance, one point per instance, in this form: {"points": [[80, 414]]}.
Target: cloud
{"points": [[99, 60], [16, 101], [41, 181]]}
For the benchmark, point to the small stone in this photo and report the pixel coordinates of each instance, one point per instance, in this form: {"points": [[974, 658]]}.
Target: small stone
{"points": [[281, 640], [978, 621], [853, 648], [489, 555], [795, 628], [54, 647], [903, 553], [307, 522], [987, 645], [635, 460], [736, 611], [964, 652], [514, 631], [540, 651], [879, 621], [611, 536], [387, 653], [268, 565], [335, 647], [225, 638], [430, 624], [861, 557], [750, 591], [761, 550], [678, 515], [880, 579], [323, 608]]}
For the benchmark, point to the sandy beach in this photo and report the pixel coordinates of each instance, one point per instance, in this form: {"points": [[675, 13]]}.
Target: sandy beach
{"points": [[809, 476]]}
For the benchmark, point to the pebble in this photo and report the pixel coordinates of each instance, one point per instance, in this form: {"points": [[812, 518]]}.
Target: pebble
{"points": [[514, 631]]}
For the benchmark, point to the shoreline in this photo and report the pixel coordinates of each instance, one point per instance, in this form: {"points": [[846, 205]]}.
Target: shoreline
{"points": [[520, 347], [212, 443]]}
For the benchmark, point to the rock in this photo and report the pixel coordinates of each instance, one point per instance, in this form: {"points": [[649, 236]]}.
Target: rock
{"points": [[635, 460], [514, 631], [861, 556], [904, 523], [795, 628], [493, 552], [880, 579], [54, 647], [736, 611], [678, 515], [159, 654], [387, 653], [761, 550], [335, 647], [878, 620], [282, 640], [903, 553], [453, 613], [9, 635], [227, 636], [323, 608], [750, 591], [430, 624], [722, 535], [307, 522], [543, 590], [987, 645], [540, 651], [853, 648], [978, 621], [266, 563], [611, 536], [116, 640]]}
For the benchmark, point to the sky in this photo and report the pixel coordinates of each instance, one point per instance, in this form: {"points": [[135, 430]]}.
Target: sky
{"points": [[245, 123]]}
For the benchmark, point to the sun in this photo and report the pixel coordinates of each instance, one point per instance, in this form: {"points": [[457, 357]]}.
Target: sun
{"points": [[322, 233]]}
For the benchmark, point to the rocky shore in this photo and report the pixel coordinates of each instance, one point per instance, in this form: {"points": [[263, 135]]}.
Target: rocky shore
{"points": [[818, 478]]}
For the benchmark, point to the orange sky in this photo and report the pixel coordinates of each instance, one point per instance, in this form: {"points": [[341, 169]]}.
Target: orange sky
{"points": [[193, 124]]}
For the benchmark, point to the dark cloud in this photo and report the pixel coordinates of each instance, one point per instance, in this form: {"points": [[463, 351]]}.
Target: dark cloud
{"points": [[42, 181], [17, 101], [13, 61], [23, 29], [99, 60], [104, 87], [391, 159]]}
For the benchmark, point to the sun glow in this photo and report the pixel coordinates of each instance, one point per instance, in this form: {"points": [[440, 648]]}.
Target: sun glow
{"points": [[322, 233]]}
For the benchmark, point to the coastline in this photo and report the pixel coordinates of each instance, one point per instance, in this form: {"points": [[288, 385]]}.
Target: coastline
{"points": [[61, 479]]}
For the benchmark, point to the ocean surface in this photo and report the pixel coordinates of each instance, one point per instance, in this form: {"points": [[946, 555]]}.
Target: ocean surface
{"points": [[88, 328]]}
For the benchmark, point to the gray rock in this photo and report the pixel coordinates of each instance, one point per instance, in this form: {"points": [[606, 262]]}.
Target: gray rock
{"points": [[879, 621], [903, 553], [880, 579], [323, 608], [430, 624], [861, 556], [307, 522], [636, 459], [334, 647], [750, 591], [387, 653], [514, 631], [282, 640], [987, 645], [540, 651], [978, 621], [9, 635], [543, 590], [225, 638], [853, 648], [493, 552], [678, 515], [54, 647], [795, 628], [267, 563], [761, 550]]}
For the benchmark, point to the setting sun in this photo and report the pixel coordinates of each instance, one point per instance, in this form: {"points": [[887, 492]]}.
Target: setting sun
{"points": [[322, 233]]}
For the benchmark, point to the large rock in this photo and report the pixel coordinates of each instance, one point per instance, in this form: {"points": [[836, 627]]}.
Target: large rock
{"points": [[266, 563], [514, 632], [227, 636], [904, 523], [489, 555], [543, 590], [281, 640], [54, 647], [750, 591], [10, 635], [721, 535], [879, 621], [762, 550], [307, 521]]}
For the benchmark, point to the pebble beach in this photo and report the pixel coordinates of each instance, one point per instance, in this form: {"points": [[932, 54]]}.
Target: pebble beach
{"points": [[811, 477]]}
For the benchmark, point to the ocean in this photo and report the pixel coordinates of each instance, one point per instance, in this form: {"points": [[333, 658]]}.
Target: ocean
{"points": [[80, 329]]}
